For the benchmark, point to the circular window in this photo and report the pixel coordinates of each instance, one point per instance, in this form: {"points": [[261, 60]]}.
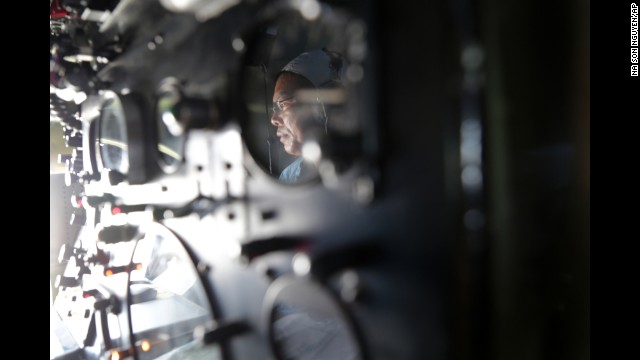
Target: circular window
{"points": [[301, 93]]}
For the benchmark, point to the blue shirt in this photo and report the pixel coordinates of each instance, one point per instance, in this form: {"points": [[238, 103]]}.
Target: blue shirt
{"points": [[291, 174]]}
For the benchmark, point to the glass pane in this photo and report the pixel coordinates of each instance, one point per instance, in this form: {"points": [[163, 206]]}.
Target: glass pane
{"points": [[169, 304]]}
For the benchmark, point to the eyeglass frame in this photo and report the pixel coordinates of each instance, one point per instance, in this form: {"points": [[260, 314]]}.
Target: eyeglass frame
{"points": [[277, 106]]}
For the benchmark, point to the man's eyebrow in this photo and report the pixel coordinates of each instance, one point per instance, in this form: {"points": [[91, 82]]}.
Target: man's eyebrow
{"points": [[284, 98]]}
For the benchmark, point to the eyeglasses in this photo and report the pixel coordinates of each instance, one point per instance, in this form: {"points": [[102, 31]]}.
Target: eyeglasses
{"points": [[279, 107]]}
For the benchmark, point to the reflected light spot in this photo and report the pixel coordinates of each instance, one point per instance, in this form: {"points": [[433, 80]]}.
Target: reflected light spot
{"points": [[115, 355], [167, 214], [471, 176], [178, 5], [471, 152], [66, 94], [349, 286], [357, 50], [199, 333], [238, 44], [350, 278], [472, 57], [328, 173], [114, 329], [95, 15], [79, 97], [145, 345], [311, 151], [78, 58], [301, 264], [363, 189], [310, 9], [172, 123]]}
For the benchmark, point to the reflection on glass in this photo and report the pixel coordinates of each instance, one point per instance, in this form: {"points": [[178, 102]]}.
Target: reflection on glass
{"points": [[170, 132], [112, 139], [307, 323], [168, 301], [297, 93]]}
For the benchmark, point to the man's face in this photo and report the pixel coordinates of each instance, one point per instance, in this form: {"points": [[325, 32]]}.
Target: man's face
{"points": [[285, 117]]}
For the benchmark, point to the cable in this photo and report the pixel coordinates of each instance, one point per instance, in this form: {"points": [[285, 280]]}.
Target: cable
{"points": [[270, 137]]}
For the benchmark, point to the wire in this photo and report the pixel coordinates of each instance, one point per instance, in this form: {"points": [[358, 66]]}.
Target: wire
{"points": [[270, 137]]}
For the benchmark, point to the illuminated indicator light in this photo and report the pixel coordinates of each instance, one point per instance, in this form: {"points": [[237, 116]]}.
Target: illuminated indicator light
{"points": [[79, 201], [87, 295], [108, 272], [116, 210], [145, 345], [138, 266]]}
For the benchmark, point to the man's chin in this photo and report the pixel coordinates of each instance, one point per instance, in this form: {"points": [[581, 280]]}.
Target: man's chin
{"points": [[289, 149]]}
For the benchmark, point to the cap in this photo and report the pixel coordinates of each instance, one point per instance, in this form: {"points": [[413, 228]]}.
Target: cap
{"points": [[321, 67]]}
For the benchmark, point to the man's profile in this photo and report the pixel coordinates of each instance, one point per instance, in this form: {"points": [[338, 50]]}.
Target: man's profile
{"points": [[294, 116]]}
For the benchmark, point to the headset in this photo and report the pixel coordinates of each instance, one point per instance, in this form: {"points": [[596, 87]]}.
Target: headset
{"points": [[336, 66]]}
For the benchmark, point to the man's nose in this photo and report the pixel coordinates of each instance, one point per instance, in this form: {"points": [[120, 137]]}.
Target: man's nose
{"points": [[276, 120]]}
